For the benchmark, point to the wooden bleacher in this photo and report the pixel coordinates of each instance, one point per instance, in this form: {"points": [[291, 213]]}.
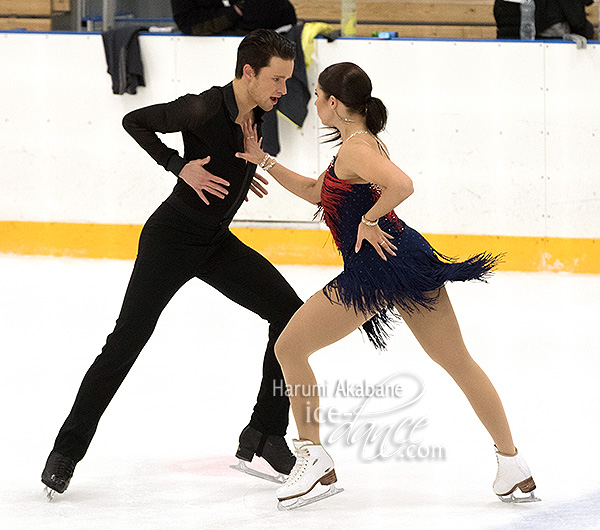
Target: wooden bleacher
{"points": [[452, 19], [33, 15]]}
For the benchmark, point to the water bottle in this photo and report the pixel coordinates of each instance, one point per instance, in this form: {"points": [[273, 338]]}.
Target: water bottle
{"points": [[527, 20], [348, 18]]}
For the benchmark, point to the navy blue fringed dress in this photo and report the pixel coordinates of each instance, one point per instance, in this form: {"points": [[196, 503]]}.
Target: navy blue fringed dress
{"points": [[409, 280]]}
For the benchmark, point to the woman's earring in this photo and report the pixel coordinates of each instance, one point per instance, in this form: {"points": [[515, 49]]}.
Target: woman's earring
{"points": [[344, 119]]}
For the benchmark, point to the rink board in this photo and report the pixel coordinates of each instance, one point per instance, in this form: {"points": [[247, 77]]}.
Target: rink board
{"points": [[502, 146]]}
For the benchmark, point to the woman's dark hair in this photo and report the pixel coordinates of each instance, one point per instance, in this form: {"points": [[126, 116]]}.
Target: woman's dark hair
{"points": [[351, 85], [259, 46]]}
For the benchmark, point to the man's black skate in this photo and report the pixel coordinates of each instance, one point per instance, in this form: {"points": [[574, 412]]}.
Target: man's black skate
{"points": [[273, 448], [57, 474]]}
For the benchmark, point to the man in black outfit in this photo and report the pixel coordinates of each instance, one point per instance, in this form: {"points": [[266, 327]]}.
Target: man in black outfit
{"points": [[188, 236], [210, 17], [568, 16]]}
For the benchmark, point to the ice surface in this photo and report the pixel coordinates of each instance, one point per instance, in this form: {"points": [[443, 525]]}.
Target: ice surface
{"points": [[161, 456]]}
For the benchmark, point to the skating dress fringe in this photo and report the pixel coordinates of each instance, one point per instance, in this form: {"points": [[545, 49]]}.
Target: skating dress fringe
{"points": [[373, 286]]}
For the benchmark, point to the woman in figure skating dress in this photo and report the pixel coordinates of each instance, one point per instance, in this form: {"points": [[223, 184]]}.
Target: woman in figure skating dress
{"points": [[390, 272]]}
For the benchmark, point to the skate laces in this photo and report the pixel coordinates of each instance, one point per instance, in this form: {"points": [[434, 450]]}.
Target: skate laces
{"points": [[302, 457]]}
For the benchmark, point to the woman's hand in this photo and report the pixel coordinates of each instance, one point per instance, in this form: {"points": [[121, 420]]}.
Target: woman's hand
{"points": [[255, 155], [252, 144], [377, 237]]}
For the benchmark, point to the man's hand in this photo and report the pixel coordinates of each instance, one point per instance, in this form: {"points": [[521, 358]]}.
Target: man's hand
{"points": [[194, 174], [256, 186]]}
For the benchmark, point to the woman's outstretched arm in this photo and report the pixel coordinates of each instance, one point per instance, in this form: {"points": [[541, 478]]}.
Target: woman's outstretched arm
{"points": [[306, 188]]}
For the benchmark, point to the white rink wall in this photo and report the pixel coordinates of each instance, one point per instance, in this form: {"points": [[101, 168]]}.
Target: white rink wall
{"points": [[500, 138]]}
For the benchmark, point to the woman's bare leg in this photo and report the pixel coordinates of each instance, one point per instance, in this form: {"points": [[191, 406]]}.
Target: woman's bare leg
{"points": [[439, 334], [318, 323]]}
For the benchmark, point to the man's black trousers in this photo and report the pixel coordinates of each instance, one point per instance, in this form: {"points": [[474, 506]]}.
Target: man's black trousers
{"points": [[174, 248]]}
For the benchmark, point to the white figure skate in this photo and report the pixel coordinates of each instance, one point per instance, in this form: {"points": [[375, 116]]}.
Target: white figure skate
{"points": [[513, 474], [313, 466]]}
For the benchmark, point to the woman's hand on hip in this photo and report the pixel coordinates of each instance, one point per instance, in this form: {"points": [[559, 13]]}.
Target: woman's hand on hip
{"points": [[380, 240]]}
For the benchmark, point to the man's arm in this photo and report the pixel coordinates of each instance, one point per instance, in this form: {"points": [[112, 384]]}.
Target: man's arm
{"points": [[177, 116], [185, 113]]}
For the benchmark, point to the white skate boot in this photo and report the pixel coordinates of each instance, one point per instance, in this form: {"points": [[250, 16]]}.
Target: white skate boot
{"points": [[313, 466], [513, 473]]}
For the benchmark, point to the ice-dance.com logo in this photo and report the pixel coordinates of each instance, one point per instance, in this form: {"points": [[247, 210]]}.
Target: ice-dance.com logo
{"points": [[379, 425]]}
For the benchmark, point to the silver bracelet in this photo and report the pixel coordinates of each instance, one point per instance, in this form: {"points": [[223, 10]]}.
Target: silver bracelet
{"points": [[270, 165], [264, 161], [369, 223]]}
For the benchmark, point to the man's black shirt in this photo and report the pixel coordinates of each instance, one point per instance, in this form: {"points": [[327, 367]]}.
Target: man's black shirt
{"points": [[207, 124]]}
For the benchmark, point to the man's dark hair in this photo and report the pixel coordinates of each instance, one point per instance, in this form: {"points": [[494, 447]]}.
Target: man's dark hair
{"points": [[259, 46]]}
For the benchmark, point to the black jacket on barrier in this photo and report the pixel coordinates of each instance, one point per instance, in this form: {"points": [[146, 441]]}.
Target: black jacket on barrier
{"points": [[123, 58], [547, 13]]}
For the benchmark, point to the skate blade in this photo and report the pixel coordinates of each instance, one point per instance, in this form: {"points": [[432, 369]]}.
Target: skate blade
{"points": [[512, 499], [299, 502], [241, 466], [50, 493], [527, 486]]}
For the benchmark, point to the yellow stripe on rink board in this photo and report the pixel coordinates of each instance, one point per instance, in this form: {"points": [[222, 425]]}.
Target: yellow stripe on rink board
{"points": [[77, 240], [527, 254], [297, 247]]}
